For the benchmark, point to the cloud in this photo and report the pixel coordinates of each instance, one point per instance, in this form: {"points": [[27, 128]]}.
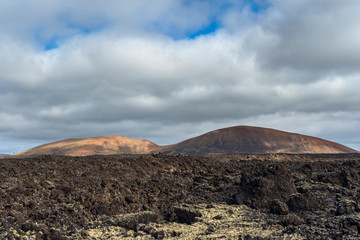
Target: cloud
{"points": [[313, 36], [45, 23], [130, 69]]}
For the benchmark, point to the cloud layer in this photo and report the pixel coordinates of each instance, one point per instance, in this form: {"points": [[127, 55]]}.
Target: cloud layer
{"points": [[74, 69]]}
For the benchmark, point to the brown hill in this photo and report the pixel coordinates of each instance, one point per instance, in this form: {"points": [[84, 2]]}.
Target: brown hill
{"points": [[93, 146], [239, 139], [254, 140]]}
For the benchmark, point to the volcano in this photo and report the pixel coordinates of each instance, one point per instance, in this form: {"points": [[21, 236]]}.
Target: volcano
{"points": [[238, 139], [108, 145], [245, 139]]}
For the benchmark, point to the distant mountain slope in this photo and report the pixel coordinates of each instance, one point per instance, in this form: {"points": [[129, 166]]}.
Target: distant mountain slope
{"points": [[4, 155], [93, 146], [239, 139], [255, 140]]}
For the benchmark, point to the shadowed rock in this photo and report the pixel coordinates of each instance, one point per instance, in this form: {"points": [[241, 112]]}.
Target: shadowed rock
{"points": [[260, 190], [186, 215]]}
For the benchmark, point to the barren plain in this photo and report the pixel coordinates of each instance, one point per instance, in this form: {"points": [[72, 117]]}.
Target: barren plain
{"points": [[156, 196]]}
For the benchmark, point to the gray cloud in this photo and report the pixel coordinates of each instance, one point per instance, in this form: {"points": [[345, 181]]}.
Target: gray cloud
{"points": [[317, 36], [292, 66]]}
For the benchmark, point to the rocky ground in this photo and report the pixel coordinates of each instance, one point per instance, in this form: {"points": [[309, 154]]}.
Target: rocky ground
{"points": [[242, 196]]}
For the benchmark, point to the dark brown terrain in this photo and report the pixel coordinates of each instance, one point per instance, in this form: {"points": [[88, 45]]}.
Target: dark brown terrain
{"points": [[244, 139], [238, 196], [239, 139]]}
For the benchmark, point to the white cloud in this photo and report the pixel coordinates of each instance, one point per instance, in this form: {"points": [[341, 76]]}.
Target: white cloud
{"points": [[291, 67]]}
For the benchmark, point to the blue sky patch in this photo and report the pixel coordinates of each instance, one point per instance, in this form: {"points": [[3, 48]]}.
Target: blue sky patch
{"points": [[44, 42], [85, 30], [257, 6], [51, 44], [70, 28], [219, 10], [93, 24], [208, 29], [56, 41]]}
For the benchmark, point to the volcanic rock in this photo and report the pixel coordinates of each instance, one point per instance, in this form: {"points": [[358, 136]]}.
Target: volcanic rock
{"points": [[279, 207], [266, 187], [61, 197], [186, 215]]}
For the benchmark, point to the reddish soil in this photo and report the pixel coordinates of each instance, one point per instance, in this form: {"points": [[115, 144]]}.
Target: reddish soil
{"points": [[107, 145], [244, 139], [239, 139]]}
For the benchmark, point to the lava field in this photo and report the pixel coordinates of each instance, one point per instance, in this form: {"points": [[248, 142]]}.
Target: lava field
{"points": [[156, 196]]}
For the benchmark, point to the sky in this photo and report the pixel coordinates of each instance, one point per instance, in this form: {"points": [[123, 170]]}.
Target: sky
{"points": [[168, 70]]}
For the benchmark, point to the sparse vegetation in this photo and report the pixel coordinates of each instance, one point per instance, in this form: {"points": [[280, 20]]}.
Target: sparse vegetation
{"points": [[239, 196]]}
